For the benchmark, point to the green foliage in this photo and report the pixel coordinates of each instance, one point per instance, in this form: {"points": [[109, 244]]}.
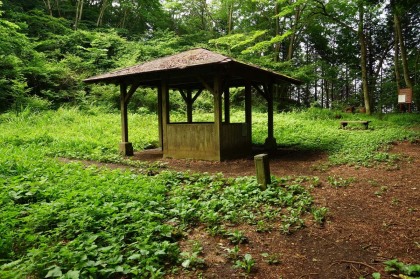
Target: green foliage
{"points": [[237, 237], [337, 182], [72, 220], [407, 270], [192, 260], [318, 130], [320, 215], [272, 259], [246, 263], [88, 221]]}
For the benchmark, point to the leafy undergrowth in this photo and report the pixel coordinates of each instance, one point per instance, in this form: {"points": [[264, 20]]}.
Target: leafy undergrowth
{"points": [[72, 221], [319, 130], [94, 135]]}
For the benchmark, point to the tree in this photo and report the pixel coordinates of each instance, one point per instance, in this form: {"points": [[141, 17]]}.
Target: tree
{"points": [[398, 9]]}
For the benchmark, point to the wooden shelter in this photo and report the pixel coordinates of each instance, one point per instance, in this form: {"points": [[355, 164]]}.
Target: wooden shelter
{"points": [[190, 73]]}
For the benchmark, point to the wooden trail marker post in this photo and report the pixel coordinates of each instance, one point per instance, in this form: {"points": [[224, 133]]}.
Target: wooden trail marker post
{"points": [[262, 168]]}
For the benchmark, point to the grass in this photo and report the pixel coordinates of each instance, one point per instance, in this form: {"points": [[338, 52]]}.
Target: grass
{"points": [[72, 221], [319, 130]]}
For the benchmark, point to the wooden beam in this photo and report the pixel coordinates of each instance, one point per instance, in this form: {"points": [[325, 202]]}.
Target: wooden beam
{"points": [[199, 91], [160, 123], [270, 110], [126, 148], [165, 113], [227, 104], [189, 101], [217, 95], [261, 91], [184, 96], [206, 85], [248, 111], [130, 93], [189, 106], [270, 142], [124, 118]]}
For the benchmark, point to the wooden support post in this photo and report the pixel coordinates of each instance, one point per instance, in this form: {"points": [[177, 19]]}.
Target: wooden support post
{"points": [[160, 106], [270, 142], [262, 168], [165, 113], [126, 147], [217, 95], [189, 102], [248, 111], [227, 105]]}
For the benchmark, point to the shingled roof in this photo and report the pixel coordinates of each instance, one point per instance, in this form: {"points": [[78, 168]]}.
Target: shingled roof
{"points": [[184, 60]]}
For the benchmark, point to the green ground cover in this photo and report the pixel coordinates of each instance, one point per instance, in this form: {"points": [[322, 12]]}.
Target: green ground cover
{"points": [[71, 221]]}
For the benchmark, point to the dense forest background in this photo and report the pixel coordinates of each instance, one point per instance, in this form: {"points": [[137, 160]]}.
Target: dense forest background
{"points": [[347, 52]]}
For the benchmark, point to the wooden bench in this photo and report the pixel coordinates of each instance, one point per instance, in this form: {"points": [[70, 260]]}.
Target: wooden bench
{"points": [[345, 123]]}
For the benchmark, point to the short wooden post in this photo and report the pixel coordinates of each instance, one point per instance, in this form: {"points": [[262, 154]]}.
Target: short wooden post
{"points": [[262, 168]]}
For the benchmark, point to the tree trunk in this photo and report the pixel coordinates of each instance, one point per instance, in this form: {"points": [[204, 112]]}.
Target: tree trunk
{"points": [[58, 8], [293, 36], [363, 58], [397, 60], [277, 30], [347, 94], [48, 6], [79, 12], [403, 51], [230, 18], [101, 13]]}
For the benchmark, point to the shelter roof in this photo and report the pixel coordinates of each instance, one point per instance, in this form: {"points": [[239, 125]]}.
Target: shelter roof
{"points": [[191, 59]]}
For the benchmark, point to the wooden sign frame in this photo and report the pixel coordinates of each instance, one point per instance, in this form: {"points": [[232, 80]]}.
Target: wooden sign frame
{"points": [[405, 96]]}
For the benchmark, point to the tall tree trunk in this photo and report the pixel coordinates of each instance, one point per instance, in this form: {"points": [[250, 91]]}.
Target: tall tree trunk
{"points": [[79, 12], [48, 6], [58, 8], [403, 51], [322, 86], [230, 18], [122, 24], [363, 58], [347, 94], [397, 60], [102, 12], [277, 30], [293, 36]]}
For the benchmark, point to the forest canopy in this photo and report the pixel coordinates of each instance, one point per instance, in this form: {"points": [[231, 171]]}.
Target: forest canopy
{"points": [[356, 53]]}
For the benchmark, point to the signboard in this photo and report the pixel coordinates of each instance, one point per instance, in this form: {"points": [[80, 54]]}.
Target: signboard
{"points": [[401, 98], [405, 96]]}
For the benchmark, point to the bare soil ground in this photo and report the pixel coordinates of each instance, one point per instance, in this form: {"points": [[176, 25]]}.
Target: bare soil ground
{"points": [[375, 218]]}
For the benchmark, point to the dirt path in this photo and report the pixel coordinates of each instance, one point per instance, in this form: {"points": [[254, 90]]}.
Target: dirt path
{"points": [[375, 218]]}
